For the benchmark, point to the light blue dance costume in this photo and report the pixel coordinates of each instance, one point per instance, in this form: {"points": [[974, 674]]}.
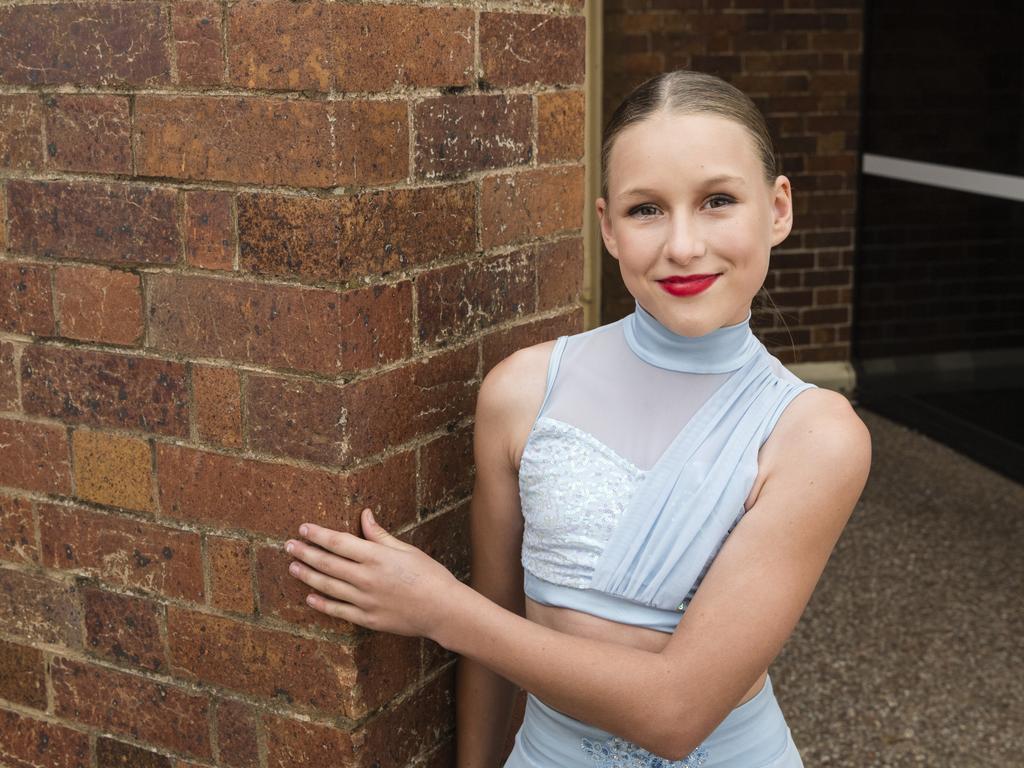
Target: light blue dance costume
{"points": [[634, 473]]}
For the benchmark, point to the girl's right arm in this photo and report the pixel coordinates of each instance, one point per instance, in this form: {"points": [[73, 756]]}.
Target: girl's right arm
{"points": [[484, 700]]}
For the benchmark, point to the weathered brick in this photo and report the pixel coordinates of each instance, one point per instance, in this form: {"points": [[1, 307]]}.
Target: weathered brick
{"points": [[281, 326], [34, 457], [293, 742], [274, 499], [279, 44], [27, 741], [462, 299], [111, 753], [341, 239], [99, 304], [230, 574], [21, 130], [17, 530], [112, 469], [163, 715], [123, 629], [198, 43], [88, 133], [217, 406], [559, 273], [316, 143], [39, 609], [209, 230], [122, 551], [455, 134], [446, 470], [326, 423], [531, 204], [283, 597], [82, 386], [498, 345], [236, 734], [22, 677], [9, 398], [25, 305], [528, 48], [112, 222], [105, 44], [560, 126], [445, 538]]}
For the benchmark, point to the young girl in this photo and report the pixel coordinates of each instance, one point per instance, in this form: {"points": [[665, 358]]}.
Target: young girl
{"points": [[655, 498]]}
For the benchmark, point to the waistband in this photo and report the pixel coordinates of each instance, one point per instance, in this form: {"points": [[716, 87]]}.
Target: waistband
{"points": [[752, 734]]}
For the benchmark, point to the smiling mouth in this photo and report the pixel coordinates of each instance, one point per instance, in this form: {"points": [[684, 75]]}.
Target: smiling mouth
{"points": [[688, 278]]}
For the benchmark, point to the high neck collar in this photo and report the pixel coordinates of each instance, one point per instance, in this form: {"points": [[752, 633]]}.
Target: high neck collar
{"points": [[721, 350]]}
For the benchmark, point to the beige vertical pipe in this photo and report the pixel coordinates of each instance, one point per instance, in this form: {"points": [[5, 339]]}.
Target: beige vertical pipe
{"points": [[591, 294]]}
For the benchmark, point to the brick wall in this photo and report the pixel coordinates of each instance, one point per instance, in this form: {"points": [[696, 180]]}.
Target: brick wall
{"points": [[800, 61], [255, 259]]}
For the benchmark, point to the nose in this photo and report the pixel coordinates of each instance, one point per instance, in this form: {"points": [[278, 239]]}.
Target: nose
{"points": [[684, 239]]}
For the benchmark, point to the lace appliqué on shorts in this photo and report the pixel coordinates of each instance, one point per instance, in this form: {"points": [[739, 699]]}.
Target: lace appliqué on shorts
{"points": [[616, 752]]}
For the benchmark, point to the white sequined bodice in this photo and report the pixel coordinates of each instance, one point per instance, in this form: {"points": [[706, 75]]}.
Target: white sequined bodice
{"points": [[573, 490]]}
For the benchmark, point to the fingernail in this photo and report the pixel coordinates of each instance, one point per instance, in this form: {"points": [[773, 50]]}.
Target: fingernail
{"points": [[289, 547], [304, 529]]}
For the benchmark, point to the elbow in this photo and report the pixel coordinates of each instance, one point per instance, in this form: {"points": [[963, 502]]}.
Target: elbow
{"points": [[678, 737]]}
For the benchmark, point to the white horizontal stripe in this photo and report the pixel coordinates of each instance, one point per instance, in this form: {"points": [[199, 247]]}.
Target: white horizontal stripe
{"points": [[946, 176]]}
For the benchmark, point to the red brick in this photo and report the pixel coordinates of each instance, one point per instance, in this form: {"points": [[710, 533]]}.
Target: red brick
{"points": [[500, 344], [88, 133], [445, 538], [25, 305], [163, 715], [123, 629], [455, 134], [111, 753], [371, 233], [560, 126], [209, 230], [108, 44], [281, 326], [99, 304], [22, 676], [462, 299], [230, 574], [17, 530], [283, 597], [325, 423], [528, 48], [112, 469], [27, 741], [198, 42], [217, 405], [274, 499], [236, 734], [298, 742], [34, 457], [82, 386], [9, 399], [559, 273], [114, 222], [315, 143], [3, 218], [122, 551], [280, 45], [446, 470], [21, 130], [39, 609], [531, 204]]}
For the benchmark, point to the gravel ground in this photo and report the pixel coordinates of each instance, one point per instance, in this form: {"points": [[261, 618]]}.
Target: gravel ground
{"points": [[911, 650]]}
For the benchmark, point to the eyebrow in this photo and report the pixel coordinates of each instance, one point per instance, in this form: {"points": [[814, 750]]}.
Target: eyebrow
{"points": [[721, 178]]}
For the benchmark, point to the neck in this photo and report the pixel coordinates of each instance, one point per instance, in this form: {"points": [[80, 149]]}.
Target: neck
{"points": [[724, 349]]}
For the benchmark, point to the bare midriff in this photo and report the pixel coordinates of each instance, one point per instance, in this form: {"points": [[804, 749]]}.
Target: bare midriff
{"points": [[593, 627]]}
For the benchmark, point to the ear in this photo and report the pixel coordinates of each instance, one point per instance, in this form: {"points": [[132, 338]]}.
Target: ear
{"points": [[606, 229], [782, 210]]}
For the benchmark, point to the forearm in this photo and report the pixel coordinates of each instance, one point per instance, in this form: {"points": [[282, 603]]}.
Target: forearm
{"points": [[615, 687], [483, 708]]}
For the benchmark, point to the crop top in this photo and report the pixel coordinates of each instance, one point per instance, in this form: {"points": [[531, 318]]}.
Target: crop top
{"points": [[639, 462]]}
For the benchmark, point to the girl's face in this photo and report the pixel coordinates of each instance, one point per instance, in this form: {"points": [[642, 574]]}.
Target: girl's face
{"points": [[687, 196]]}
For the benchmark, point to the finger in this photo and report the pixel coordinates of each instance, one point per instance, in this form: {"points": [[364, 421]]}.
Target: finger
{"points": [[339, 542], [345, 611], [324, 561], [342, 590]]}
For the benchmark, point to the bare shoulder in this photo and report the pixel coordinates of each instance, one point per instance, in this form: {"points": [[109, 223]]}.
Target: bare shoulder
{"points": [[510, 396]]}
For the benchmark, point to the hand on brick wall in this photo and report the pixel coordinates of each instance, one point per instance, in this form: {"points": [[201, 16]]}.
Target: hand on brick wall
{"points": [[380, 582]]}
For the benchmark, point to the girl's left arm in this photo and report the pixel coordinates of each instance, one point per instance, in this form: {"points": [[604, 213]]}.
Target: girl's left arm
{"points": [[746, 607]]}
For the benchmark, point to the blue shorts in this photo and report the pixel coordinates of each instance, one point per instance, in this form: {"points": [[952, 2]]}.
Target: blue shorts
{"points": [[753, 735]]}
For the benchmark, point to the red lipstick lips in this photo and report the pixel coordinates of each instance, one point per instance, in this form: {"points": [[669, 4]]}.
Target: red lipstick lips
{"points": [[687, 286]]}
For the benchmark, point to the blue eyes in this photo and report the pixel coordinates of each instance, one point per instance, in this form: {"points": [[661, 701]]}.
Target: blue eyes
{"points": [[648, 207]]}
